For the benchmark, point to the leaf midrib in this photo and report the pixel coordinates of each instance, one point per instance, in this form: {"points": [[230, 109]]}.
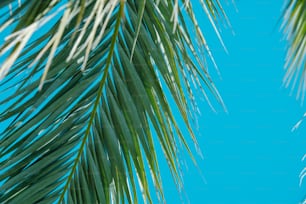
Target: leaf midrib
{"points": [[97, 100]]}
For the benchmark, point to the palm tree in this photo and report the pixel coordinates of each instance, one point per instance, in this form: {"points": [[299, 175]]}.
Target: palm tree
{"points": [[83, 96]]}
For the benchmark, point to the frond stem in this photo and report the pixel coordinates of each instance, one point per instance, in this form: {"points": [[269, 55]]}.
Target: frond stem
{"points": [[97, 100]]}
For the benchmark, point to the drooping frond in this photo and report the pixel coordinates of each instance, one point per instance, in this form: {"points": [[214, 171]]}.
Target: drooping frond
{"points": [[294, 27], [83, 96]]}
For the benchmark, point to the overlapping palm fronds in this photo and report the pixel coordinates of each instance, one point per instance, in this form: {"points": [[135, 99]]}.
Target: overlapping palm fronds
{"points": [[83, 86], [294, 27]]}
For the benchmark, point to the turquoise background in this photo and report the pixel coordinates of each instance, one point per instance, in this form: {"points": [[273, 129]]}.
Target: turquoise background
{"points": [[250, 154]]}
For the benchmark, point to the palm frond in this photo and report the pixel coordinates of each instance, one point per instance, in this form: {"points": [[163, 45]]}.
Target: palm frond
{"points": [[294, 27], [83, 96]]}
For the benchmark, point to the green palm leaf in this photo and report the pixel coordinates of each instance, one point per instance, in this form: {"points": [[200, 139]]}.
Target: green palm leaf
{"points": [[295, 28], [85, 87]]}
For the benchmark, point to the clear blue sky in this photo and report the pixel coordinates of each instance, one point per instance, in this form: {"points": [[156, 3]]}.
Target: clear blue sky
{"points": [[251, 155]]}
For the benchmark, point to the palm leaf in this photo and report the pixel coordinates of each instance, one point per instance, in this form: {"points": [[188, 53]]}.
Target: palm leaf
{"points": [[83, 96], [294, 27]]}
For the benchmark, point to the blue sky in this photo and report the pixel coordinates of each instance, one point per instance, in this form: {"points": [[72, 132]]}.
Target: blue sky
{"points": [[250, 154]]}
